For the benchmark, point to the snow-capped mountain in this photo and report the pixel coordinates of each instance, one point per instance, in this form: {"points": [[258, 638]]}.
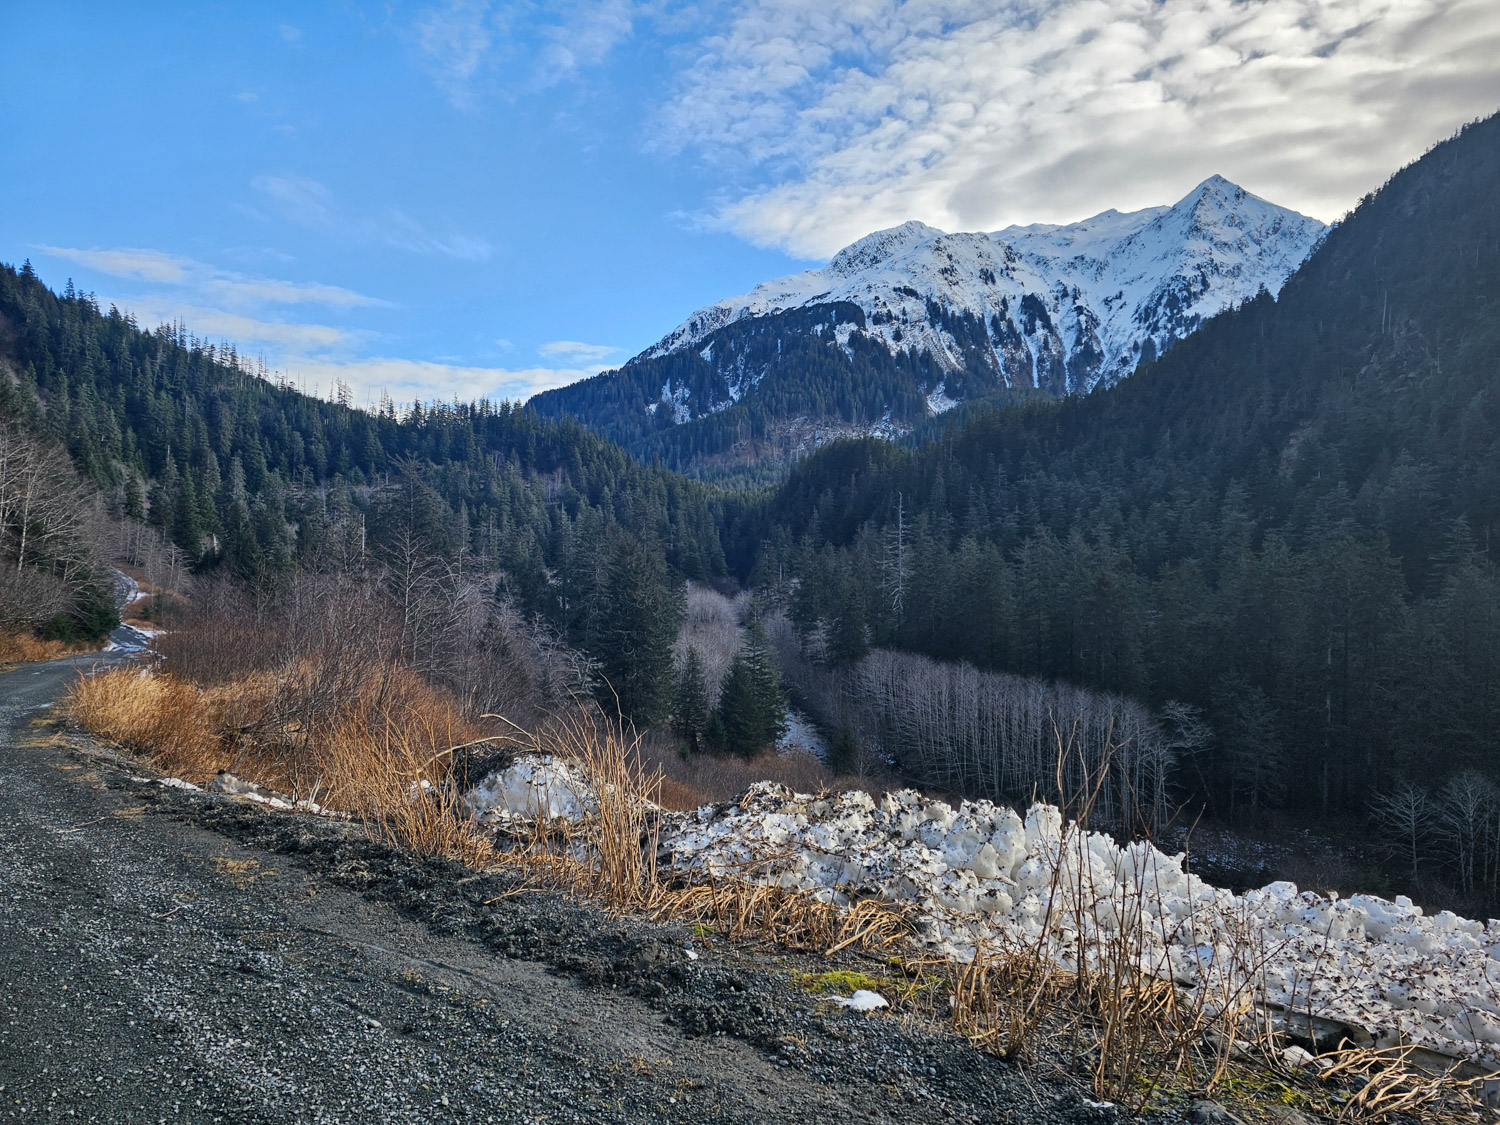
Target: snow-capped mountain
{"points": [[908, 322], [1061, 308]]}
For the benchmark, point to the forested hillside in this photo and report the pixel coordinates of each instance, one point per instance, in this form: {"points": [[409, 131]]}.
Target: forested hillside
{"points": [[255, 480], [804, 393], [1289, 521]]}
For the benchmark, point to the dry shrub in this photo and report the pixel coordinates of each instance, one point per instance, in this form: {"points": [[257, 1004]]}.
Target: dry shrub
{"points": [[156, 715], [389, 762], [679, 796], [25, 647], [611, 852], [708, 778]]}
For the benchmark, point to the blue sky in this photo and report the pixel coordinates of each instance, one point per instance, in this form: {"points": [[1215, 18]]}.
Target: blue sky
{"points": [[472, 197]]}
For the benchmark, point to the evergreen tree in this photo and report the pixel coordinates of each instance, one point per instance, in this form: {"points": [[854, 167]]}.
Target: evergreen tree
{"points": [[843, 754], [636, 630], [751, 706], [690, 705]]}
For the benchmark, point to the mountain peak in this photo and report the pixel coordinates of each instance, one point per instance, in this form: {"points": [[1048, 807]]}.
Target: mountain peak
{"points": [[1217, 192], [873, 249]]}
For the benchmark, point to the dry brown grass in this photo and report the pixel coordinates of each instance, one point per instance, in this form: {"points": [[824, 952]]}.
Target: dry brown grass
{"points": [[382, 752], [25, 647], [158, 716], [701, 779], [391, 767], [611, 852], [740, 910]]}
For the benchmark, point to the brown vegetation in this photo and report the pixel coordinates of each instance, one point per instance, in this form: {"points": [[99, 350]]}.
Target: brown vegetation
{"points": [[701, 779], [21, 646]]}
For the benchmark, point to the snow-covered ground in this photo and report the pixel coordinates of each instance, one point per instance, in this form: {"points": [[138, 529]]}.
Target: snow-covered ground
{"points": [[129, 638], [980, 878], [802, 737], [528, 787]]}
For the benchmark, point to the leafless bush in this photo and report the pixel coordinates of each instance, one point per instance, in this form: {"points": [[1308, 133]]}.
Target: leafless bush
{"points": [[700, 779], [29, 598], [711, 625]]}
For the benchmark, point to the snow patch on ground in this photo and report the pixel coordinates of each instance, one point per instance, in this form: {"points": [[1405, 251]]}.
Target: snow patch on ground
{"points": [[676, 401], [532, 785], [886, 428], [864, 1000], [981, 878], [175, 783], [231, 786], [802, 737], [938, 401]]}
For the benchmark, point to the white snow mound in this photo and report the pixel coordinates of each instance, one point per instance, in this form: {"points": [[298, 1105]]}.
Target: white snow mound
{"points": [[533, 785], [864, 1000], [981, 878]]}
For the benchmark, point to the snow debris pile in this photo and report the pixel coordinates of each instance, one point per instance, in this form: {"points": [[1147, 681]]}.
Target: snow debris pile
{"points": [[981, 877], [532, 785]]}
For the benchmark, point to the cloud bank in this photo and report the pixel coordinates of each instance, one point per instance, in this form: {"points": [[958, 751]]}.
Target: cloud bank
{"points": [[835, 120], [576, 351], [255, 314]]}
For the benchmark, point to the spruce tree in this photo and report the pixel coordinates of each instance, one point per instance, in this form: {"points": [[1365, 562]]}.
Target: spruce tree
{"points": [[690, 707], [637, 625], [751, 706]]}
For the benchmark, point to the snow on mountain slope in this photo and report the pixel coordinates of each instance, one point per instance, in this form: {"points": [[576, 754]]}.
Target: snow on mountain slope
{"points": [[1059, 308]]}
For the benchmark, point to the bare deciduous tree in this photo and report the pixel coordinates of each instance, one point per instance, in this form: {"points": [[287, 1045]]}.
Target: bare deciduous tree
{"points": [[50, 528], [1405, 812]]}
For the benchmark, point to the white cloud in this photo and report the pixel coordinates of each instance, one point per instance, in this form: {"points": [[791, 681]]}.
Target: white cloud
{"points": [[147, 265], [585, 33], [237, 289], [309, 203], [258, 291], [578, 352], [455, 38], [248, 333], [838, 120], [465, 43], [221, 305], [406, 380]]}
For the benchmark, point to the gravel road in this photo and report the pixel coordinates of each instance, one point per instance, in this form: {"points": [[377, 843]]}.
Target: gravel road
{"points": [[171, 956]]}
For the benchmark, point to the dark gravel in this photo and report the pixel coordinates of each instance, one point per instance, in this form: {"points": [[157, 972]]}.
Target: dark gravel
{"points": [[172, 956]]}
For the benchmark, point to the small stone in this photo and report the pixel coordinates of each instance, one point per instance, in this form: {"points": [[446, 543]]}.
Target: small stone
{"points": [[1211, 1113]]}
